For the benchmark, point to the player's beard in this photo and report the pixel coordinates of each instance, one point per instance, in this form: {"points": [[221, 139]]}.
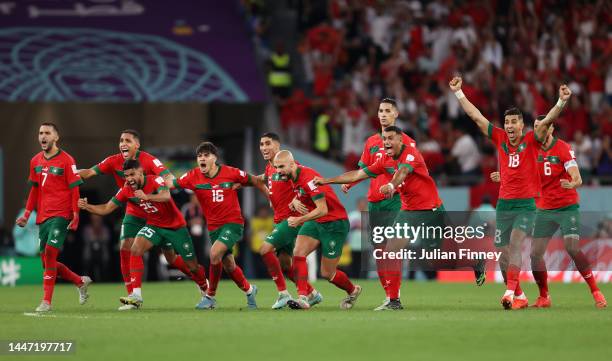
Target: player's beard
{"points": [[49, 146]]}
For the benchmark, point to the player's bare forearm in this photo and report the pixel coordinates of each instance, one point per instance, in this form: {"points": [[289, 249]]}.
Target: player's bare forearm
{"points": [[400, 176], [99, 209], [87, 173], [257, 182], [319, 211], [348, 177], [564, 94], [169, 179], [162, 196], [467, 106], [576, 181]]}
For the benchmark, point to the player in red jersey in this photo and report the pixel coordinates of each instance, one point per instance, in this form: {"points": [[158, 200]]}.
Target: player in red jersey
{"points": [[420, 202], [558, 208], [165, 226], [277, 249], [135, 217], [381, 209], [214, 186], [520, 184], [54, 193], [325, 224]]}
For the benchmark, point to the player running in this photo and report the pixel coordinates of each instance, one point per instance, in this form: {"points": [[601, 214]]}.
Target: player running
{"points": [[164, 226], [325, 224], [213, 185], [420, 203], [277, 249], [558, 208], [54, 193], [520, 184], [135, 216], [382, 210]]}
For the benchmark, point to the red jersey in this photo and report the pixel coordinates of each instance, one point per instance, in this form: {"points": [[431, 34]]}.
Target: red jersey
{"points": [[281, 193], [309, 192], [418, 191], [553, 163], [55, 178], [373, 151], [517, 165], [159, 214], [114, 165], [218, 200]]}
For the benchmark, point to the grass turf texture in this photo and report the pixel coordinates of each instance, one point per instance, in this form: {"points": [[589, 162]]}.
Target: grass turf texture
{"points": [[440, 322]]}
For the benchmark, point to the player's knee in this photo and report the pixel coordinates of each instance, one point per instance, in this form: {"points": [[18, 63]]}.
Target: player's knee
{"points": [[266, 248], [572, 250]]}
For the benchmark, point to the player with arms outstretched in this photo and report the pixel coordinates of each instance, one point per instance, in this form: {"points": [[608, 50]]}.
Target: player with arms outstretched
{"points": [[54, 193], [277, 249], [520, 184], [558, 208], [214, 186], [135, 217], [164, 226], [325, 224]]}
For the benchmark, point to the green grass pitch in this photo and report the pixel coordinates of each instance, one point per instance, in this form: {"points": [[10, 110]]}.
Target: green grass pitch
{"points": [[440, 322]]}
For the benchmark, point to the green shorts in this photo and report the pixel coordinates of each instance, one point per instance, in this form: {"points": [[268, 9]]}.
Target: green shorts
{"points": [[179, 239], [428, 239], [52, 232], [513, 214], [228, 234], [547, 221], [331, 235], [383, 213], [283, 237], [130, 226]]}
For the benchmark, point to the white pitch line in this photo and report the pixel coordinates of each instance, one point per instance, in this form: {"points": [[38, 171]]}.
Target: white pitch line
{"points": [[46, 315]]}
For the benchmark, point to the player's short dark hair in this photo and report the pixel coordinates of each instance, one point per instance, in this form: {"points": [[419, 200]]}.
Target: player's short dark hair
{"points": [[272, 136], [207, 147], [394, 128], [389, 101], [131, 164], [52, 125], [133, 132], [514, 111], [541, 117]]}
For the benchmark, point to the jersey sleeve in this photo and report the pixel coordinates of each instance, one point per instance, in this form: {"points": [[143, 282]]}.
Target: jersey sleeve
{"points": [[160, 184], [72, 174], [568, 158], [32, 177], [121, 197], [104, 167], [184, 182], [496, 134], [376, 168], [365, 157], [240, 176], [154, 165], [407, 160]]}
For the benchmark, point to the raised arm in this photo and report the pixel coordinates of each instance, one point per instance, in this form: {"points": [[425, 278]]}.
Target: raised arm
{"points": [[468, 107], [348, 177], [564, 94], [99, 209]]}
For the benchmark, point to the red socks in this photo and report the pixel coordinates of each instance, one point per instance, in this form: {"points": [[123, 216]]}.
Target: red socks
{"points": [[136, 271], [181, 266], [124, 255], [215, 275], [238, 277], [300, 268], [518, 290], [342, 281], [200, 278], [65, 273], [275, 271], [538, 269], [583, 266], [50, 273], [513, 278], [291, 276]]}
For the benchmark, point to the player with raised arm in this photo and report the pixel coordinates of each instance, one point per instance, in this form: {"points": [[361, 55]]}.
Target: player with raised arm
{"points": [[135, 216], [325, 224], [277, 249], [558, 208], [381, 209], [213, 185], [420, 203], [164, 226], [520, 184], [54, 194]]}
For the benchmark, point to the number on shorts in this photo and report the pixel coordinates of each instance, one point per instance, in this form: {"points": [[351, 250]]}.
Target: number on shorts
{"points": [[147, 232]]}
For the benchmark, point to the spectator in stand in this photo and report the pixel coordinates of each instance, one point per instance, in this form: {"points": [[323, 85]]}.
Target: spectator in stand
{"points": [[465, 152], [583, 149], [354, 130], [295, 119], [354, 239], [604, 159], [279, 73]]}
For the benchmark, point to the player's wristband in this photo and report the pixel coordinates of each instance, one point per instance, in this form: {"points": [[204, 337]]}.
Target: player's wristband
{"points": [[459, 94], [392, 186], [561, 103]]}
